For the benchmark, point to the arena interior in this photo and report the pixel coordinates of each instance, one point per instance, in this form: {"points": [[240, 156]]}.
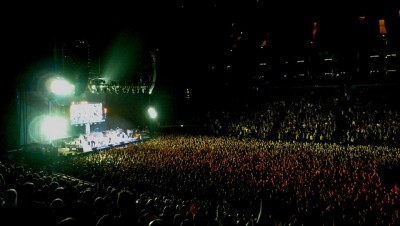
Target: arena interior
{"points": [[235, 120]]}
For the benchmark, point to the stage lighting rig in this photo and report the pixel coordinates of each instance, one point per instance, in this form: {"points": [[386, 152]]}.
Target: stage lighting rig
{"points": [[99, 85]]}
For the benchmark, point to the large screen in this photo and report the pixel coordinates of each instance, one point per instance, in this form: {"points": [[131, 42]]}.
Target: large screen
{"points": [[84, 112]]}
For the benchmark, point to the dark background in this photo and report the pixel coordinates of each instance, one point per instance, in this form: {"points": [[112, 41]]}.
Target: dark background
{"points": [[192, 40]]}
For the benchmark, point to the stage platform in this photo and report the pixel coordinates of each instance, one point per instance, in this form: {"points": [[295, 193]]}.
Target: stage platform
{"points": [[80, 149], [48, 151]]}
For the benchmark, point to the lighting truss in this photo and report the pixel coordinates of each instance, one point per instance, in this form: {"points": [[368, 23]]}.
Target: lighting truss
{"points": [[98, 85]]}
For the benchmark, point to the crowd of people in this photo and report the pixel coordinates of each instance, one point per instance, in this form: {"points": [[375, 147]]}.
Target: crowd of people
{"points": [[305, 160], [212, 181], [335, 115]]}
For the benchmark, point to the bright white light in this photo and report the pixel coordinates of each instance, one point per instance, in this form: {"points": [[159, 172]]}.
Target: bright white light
{"points": [[54, 127], [152, 112], [61, 87]]}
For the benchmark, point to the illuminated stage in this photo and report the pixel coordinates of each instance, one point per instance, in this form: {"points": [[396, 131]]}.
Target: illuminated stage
{"points": [[97, 141]]}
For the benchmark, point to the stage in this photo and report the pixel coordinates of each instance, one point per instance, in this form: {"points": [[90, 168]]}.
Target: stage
{"points": [[71, 150], [97, 141]]}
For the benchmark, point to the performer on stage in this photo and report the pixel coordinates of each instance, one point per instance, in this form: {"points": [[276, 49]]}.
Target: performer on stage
{"points": [[138, 135]]}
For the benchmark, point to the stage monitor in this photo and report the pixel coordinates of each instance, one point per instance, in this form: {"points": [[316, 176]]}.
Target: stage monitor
{"points": [[84, 112]]}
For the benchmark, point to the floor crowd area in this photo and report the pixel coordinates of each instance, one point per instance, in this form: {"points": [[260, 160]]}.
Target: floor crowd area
{"points": [[209, 180]]}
